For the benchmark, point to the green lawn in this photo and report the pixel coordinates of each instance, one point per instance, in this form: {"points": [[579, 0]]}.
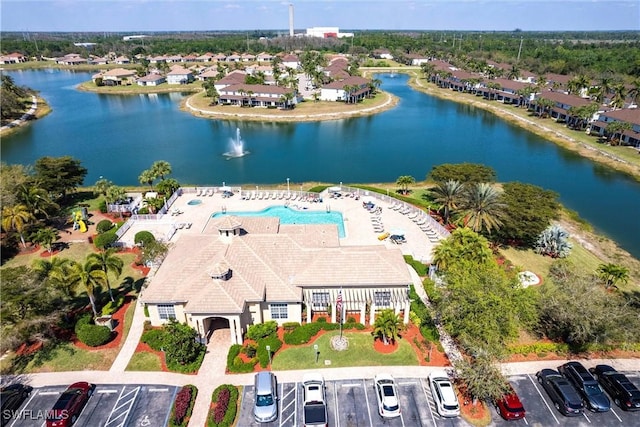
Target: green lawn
{"points": [[144, 361], [360, 353], [65, 357]]}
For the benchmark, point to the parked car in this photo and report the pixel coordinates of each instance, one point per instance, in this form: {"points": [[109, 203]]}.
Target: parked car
{"points": [[12, 397], [265, 408], [594, 398], [70, 404], [314, 407], [620, 389], [509, 406], [387, 396], [565, 398], [444, 395]]}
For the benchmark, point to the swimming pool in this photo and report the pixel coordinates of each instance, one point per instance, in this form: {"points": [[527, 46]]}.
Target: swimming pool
{"points": [[293, 216]]}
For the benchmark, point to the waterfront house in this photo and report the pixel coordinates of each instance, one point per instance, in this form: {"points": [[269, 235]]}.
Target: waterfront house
{"points": [[253, 95], [244, 271], [354, 87], [121, 60], [179, 76], [233, 78], [118, 77], [72, 59], [153, 79], [13, 58], [625, 115], [562, 103]]}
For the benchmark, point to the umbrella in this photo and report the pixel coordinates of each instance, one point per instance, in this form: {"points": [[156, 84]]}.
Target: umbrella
{"points": [[225, 188], [397, 232], [335, 189]]}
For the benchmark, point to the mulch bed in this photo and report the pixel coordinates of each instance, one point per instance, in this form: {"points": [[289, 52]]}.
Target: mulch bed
{"points": [[389, 348], [118, 317]]}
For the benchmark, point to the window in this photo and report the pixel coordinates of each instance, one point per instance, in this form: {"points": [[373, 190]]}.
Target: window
{"points": [[321, 299], [279, 311], [382, 298], [166, 311]]}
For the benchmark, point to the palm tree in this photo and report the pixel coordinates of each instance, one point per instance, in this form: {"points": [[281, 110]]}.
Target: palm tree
{"points": [[54, 270], [481, 207], [543, 105], [87, 276], [427, 69], [17, 218], [46, 236], [617, 128], [101, 186], [404, 182], [619, 95], [612, 274], [108, 262], [37, 200], [447, 195], [514, 73], [463, 244], [387, 326], [161, 169], [634, 92], [147, 177]]}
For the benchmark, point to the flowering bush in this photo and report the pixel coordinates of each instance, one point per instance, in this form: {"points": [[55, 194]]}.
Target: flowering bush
{"points": [[183, 406], [226, 399]]}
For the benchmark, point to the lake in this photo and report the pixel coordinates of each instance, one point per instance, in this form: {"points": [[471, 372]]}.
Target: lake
{"points": [[117, 137]]}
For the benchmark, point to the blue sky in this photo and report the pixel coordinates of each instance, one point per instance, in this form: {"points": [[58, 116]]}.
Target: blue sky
{"points": [[198, 15]]}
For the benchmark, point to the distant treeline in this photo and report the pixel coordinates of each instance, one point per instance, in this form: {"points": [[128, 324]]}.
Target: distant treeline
{"points": [[589, 53]]}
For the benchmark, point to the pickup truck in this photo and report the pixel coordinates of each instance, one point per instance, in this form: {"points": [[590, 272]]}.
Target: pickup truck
{"points": [[314, 403]]}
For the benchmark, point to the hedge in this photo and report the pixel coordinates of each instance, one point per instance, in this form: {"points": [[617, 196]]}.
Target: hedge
{"points": [[91, 334], [103, 206], [154, 338], [143, 237], [235, 363], [187, 368], [104, 226], [183, 406], [218, 418], [104, 240], [262, 330], [427, 327], [419, 267], [274, 343], [113, 306]]}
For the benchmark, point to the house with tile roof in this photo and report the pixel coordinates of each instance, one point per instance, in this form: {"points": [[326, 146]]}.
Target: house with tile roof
{"points": [[72, 59], [264, 57], [254, 95], [13, 58], [272, 271], [153, 79], [562, 103], [117, 77], [355, 87], [179, 76], [122, 60], [233, 78], [625, 115], [291, 61]]}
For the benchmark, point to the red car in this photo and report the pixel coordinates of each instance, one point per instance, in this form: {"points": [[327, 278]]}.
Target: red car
{"points": [[510, 407], [70, 404]]}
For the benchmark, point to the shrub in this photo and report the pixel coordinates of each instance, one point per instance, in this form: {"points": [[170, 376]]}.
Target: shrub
{"points": [[104, 226], [303, 334], [146, 326], [105, 240], [181, 346], [183, 406], [235, 363], [250, 350], [322, 320], [91, 334], [263, 356], [154, 338], [261, 330], [143, 237], [146, 312], [419, 267], [351, 319], [113, 306], [225, 396], [102, 206], [290, 326]]}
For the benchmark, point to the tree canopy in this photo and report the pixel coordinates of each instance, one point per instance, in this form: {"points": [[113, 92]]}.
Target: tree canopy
{"points": [[59, 175], [463, 173]]}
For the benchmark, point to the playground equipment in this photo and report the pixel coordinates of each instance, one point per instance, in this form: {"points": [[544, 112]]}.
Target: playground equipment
{"points": [[78, 222]]}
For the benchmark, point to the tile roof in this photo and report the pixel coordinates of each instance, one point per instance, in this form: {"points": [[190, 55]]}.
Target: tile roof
{"points": [[630, 115], [351, 81]]}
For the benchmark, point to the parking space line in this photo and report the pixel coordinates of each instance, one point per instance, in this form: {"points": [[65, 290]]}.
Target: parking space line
{"points": [[350, 385], [335, 400], [48, 393], [424, 390], [24, 406], [366, 397], [614, 413], [406, 383], [542, 397], [128, 402], [155, 390], [106, 391], [585, 415]]}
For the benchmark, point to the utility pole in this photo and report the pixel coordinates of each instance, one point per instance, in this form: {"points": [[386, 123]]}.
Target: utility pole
{"points": [[519, 50]]}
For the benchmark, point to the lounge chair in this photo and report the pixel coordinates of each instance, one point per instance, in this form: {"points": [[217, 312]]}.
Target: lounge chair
{"points": [[210, 192], [274, 195], [197, 191], [413, 215]]}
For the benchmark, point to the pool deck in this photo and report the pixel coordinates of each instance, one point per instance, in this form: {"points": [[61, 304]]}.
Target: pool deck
{"points": [[358, 225]]}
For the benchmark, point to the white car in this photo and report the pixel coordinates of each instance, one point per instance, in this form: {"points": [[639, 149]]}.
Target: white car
{"points": [[444, 395], [387, 396]]}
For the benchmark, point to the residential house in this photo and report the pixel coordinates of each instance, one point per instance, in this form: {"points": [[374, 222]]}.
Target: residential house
{"points": [[208, 74], [382, 54], [416, 60], [264, 57], [118, 77], [244, 271], [256, 95], [13, 58], [220, 57], [562, 103], [207, 57], [234, 57], [173, 59], [190, 58], [357, 88], [122, 60], [503, 90], [625, 115], [153, 79], [99, 60], [233, 78], [291, 61], [72, 59], [247, 57], [179, 76]]}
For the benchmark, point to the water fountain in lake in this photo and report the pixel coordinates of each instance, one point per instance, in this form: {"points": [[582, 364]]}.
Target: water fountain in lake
{"points": [[236, 146]]}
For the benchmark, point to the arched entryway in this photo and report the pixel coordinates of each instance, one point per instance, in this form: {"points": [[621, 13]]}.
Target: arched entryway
{"points": [[212, 324]]}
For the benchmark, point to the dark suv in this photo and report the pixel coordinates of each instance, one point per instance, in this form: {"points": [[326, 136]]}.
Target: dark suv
{"points": [[622, 391], [587, 386], [565, 398]]}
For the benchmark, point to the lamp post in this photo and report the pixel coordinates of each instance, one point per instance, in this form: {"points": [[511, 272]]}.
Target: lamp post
{"points": [[288, 192], [268, 347], [315, 348]]}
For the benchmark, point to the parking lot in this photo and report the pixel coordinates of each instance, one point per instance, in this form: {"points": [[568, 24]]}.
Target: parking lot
{"points": [[352, 403], [110, 406]]}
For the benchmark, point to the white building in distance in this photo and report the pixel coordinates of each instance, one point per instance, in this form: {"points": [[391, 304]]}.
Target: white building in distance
{"points": [[326, 32]]}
